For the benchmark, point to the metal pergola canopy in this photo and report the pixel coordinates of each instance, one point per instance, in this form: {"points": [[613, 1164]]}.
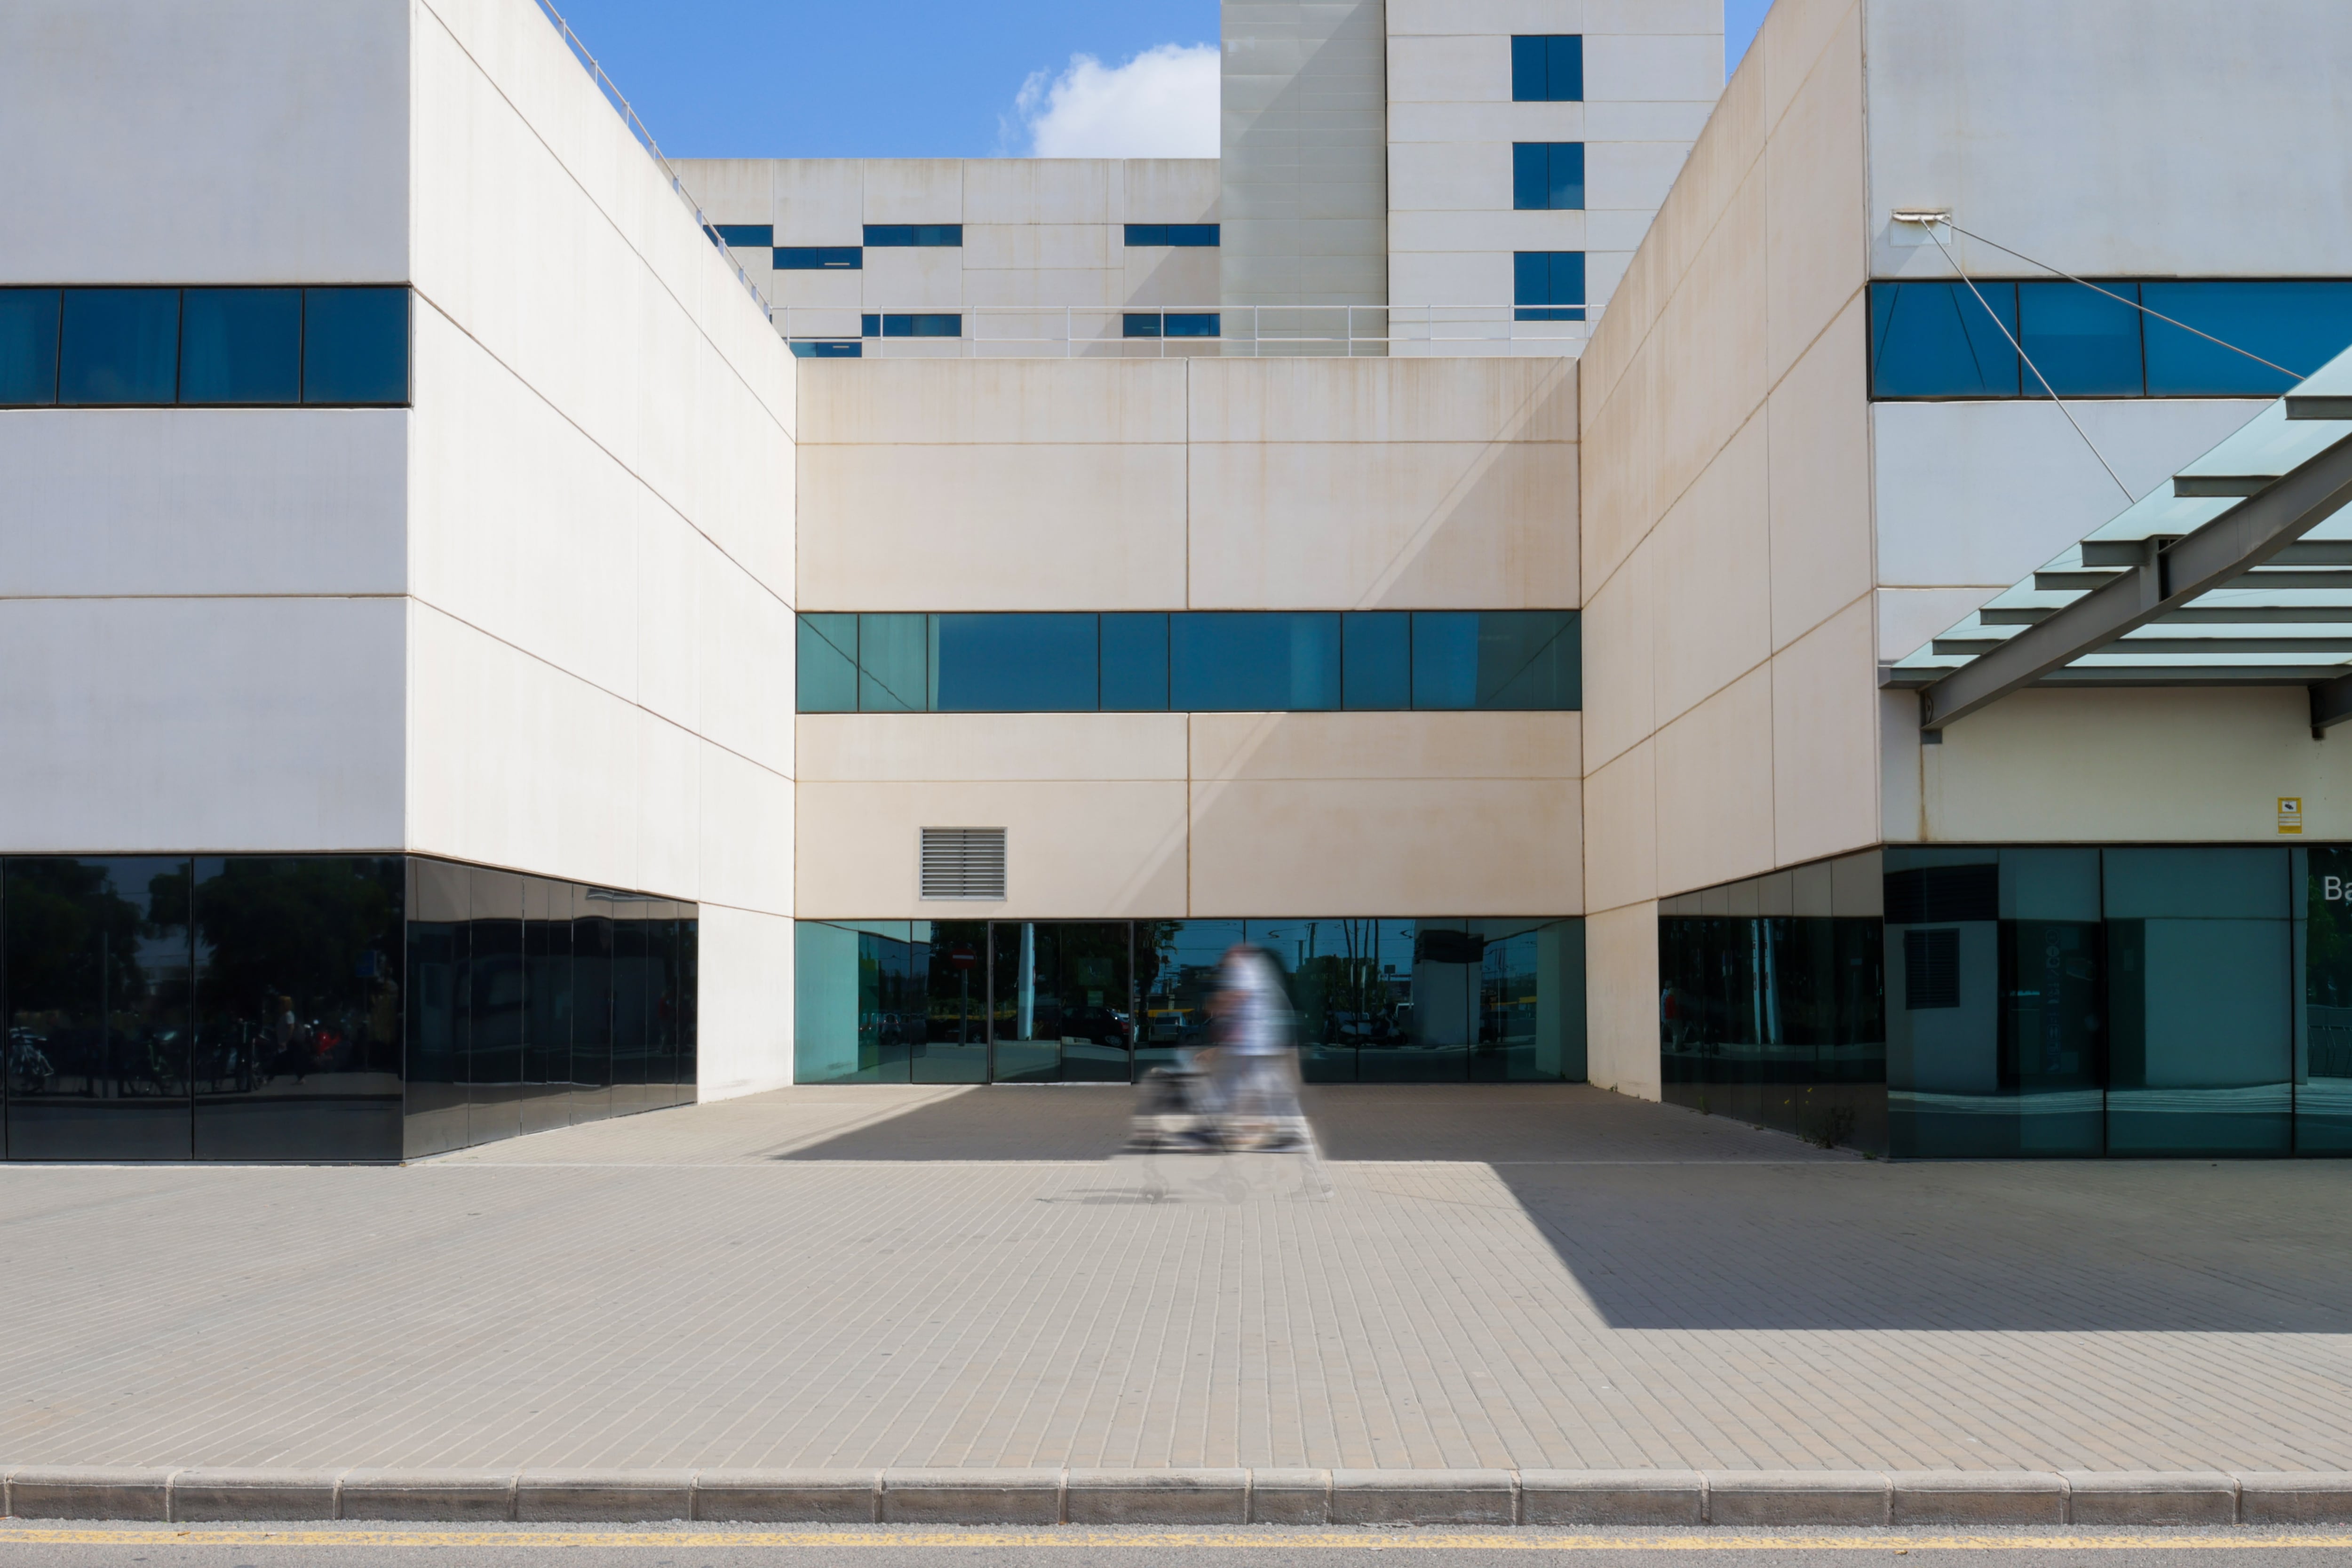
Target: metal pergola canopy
{"points": [[2238, 571]]}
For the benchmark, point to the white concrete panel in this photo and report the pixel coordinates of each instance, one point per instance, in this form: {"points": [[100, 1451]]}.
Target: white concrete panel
{"points": [[913, 277], [730, 189], [1493, 123], [2139, 137], [238, 141], [1038, 190], [1185, 276], [820, 201], [1910, 617], [1169, 190], [1426, 177], [193, 501], [1427, 525], [796, 289], [1620, 854], [1715, 788], [519, 525], [1636, 174], [743, 1004], [1449, 68], [914, 190], [1646, 121], [1494, 232], [1048, 245], [1406, 17], [1458, 279], [991, 527], [745, 847], [1038, 287], [1985, 493], [1369, 847], [848, 748], [1623, 66], [512, 763], [223, 724], [1110, 850]]}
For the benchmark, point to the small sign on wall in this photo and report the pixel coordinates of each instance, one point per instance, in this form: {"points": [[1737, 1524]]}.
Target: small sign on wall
{"points": [[2290, 814]]}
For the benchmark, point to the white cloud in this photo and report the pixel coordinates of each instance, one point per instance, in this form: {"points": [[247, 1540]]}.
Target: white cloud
{"points": [[1160, 104]]}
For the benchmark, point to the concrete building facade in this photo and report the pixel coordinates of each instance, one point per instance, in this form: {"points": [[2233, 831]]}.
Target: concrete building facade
{"points": [[1654, 636]]}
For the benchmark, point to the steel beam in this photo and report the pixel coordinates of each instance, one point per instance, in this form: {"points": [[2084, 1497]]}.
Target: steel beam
{"points": [[2165, 579], [2331, 704]]}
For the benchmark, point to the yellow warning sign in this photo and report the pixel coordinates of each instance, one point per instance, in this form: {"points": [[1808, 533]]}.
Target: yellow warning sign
{"points": [[2290, 816]]}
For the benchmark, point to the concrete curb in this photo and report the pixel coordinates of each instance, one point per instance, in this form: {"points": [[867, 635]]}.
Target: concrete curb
{"points": [[1612, 1498]]}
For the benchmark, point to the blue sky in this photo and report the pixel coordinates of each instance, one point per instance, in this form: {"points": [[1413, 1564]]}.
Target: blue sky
{"points": [[884, 78]]}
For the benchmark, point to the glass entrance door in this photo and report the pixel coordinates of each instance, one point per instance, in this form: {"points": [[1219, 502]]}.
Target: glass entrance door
{"points": [[1062, 1009]]}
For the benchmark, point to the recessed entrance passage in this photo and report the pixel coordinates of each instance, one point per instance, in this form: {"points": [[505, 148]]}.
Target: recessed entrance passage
{"points": [[1375, 1000]]}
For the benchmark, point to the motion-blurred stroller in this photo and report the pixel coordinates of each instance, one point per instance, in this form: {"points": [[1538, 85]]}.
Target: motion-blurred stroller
{"points": [[1178, 1108]]}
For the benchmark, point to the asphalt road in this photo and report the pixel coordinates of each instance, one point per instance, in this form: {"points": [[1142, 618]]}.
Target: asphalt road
{"points": [[522, 1546]]}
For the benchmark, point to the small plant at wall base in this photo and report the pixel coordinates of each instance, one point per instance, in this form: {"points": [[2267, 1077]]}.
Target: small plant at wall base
{"points": [[1831, 1126]]}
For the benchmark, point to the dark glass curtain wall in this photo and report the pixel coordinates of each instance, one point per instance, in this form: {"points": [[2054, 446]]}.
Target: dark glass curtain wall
{"points": [[2040, 1003], [327, 1007], [539, 1004], [1376, 1001]]}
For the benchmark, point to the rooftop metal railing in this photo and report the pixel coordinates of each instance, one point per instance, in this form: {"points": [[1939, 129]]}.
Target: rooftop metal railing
{"points": [[637, 128], [1166, 332]]}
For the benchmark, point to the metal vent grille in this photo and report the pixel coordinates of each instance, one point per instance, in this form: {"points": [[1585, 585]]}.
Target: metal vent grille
{"points": [[963, 863]]}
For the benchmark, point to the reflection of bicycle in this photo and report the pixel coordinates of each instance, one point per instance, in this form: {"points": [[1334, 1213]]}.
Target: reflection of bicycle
{"points": [[29, 1068]]}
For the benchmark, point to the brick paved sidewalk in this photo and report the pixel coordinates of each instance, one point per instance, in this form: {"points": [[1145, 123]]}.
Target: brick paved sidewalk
{"points": [[1567, 1281]]}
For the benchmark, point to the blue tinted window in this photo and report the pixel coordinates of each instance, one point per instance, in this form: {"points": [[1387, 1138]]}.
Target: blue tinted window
{"points": [[1548, 277], [1936, 340], [28, 346], [828, 664], [1548, 68], [911, 326], [1255, 661], [1135, 663], [1495, 659], [893, 661], [241, 345], [1147, 234], [119, 345], [354, 345], [818, 259], [820, 348], [1376, 652], [1170, 323], [2299, 325], [1193, 234], [2086, 343], [1548, 176], [901, 234], [1015, 664], [751, 235]]}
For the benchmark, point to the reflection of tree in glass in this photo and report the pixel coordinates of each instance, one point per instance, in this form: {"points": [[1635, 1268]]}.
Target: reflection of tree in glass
{"points": [[64, 922], [313, 937]]}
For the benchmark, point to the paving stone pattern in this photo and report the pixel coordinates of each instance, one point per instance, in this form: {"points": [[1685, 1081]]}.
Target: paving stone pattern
{"points": [[850, 1278]]}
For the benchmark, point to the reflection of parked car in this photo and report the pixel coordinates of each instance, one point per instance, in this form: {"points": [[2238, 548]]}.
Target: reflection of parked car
{"points": [[1101, 1025]]}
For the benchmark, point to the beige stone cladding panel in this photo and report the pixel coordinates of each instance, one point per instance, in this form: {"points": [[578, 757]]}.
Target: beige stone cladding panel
{"points": [[2185, 765], [1621, 829], [1619, 663], [1092, 804], [1819, 424], [1715, 788], [1365, 813], [993, 485], [1818, 245], [1110, 849], [1353, 483], [1826, 772], [1712, 622], [1620, 967]]}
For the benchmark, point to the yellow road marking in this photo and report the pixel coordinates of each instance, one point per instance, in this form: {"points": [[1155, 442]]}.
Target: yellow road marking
{"points": [[1531, 1540]]}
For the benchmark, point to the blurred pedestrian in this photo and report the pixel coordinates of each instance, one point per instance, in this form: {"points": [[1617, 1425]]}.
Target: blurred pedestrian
{"points": [[1256, 1067]]}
